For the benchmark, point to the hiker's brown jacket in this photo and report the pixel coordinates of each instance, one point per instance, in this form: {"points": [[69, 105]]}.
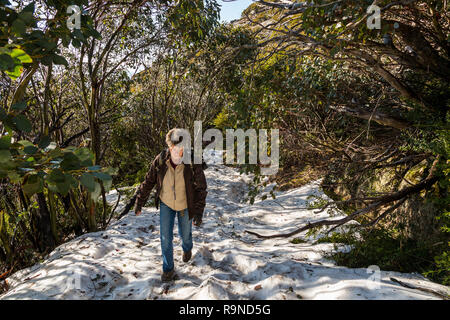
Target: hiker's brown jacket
{"points": [[194, 179]]}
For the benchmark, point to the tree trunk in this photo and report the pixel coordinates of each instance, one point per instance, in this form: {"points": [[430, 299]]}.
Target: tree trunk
{"points": [[376, 116], [94, 126], [43, 224], [91, 220]]}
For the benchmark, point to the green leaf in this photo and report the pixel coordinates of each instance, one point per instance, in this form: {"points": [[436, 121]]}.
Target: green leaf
{"points": [[37, 34], [34, 184], [85, 155], [9, 165], [25, 143], [60, 60], [15, 72], [78, 34], [22, 123], [45, 142], [19, 106], [88, 181], [30, 150], [26, 16], [18, 26], [21, 55], [96, 193], [97, 35], [56, 176], [63, 188], [107, 185], [3, 114], [102, 176], [6, 62], [70, 162], [5, 142], [65, 40], [5, 155], [52, 187], [66, 182], [29, 8], [73, 182], [55, 153], [47, 60], [47, 44], [76, 43]]}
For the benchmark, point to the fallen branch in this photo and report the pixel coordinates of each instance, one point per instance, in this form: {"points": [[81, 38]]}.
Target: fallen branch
{"points": [[377, 203], [31, 278], [410, 286], [320, 223], [5, 274], [374, 115], [384, 214]]}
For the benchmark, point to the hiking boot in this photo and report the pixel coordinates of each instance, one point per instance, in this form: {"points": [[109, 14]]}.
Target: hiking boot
{"points": [[187, 256], [168, 276]]}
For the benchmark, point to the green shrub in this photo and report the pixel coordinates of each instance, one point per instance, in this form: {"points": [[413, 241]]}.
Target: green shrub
{"points": [[297, 241], [391, 252]]}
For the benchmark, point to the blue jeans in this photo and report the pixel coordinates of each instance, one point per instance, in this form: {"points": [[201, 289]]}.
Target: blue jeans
{"points": [[166, 223]]}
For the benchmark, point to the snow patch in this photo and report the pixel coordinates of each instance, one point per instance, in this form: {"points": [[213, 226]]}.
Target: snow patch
{"points": [[124, 261]]}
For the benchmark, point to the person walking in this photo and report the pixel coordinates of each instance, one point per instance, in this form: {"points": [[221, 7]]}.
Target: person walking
{"points": [[181, 192]]}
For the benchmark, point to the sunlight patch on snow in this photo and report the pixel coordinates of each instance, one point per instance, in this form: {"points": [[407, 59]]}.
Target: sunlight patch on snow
{"points": [[124, 261]]}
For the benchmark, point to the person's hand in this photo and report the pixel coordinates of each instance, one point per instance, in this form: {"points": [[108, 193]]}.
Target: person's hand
{"points": [[197, 221]]}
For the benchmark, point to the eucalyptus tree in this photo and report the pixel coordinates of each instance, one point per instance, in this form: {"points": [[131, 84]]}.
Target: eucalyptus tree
{"points": [[35, 171], [42, 121], [179, 86], [131, 30], [388, 86]]}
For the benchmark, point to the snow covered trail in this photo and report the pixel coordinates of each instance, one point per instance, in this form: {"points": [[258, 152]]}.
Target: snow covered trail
{"points": [[124, 261]]}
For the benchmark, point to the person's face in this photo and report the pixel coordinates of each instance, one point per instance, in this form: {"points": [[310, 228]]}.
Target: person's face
{"points": [[177, 150]]}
